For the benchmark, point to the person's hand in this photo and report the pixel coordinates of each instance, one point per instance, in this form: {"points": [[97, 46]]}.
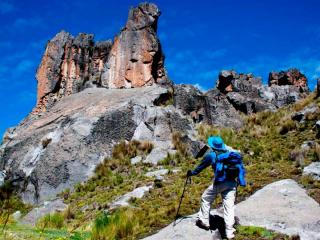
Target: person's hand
{"points": [[189, 173]]}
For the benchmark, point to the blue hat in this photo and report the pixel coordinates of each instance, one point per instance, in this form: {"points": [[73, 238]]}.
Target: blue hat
{"points": [[216, 143]]}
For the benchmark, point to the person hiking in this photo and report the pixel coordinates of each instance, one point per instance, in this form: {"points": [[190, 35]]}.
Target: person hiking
{"points": [[228, 171]]}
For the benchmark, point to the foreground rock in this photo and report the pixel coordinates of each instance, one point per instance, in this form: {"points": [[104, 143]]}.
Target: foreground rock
{"points": [[284, 207], [184, 229]]}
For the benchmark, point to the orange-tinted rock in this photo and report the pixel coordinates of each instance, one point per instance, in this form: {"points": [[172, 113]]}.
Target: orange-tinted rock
{"points": [[71, 64], [291, 77], [136, 59], [68, 66]]}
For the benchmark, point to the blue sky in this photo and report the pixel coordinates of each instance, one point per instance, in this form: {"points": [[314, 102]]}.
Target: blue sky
{"points": [[199, 39]]}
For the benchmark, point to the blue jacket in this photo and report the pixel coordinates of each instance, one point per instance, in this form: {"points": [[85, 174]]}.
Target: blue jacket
{"points": [[210, 159]]}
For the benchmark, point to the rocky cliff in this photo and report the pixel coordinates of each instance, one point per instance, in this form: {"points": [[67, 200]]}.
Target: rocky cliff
{"points": [[92, 95], [71, 64]]}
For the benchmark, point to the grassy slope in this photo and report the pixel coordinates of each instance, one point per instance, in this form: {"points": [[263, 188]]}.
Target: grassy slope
{"points": [[266, 141]]}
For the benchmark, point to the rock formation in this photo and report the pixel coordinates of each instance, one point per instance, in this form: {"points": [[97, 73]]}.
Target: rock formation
{"points": [[134, 59], [82, 113], [236, 94], [62, 147], [68, 66], [291, 77]]}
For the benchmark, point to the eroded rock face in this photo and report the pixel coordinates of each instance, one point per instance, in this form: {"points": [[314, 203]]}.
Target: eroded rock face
{"points": [[136, 57], [68, 66], [291, 77], [71, 64]]}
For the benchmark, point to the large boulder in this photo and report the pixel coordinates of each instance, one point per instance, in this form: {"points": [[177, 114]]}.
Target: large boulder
{"points": [[54, 150], [220, 112], [282, 206]]}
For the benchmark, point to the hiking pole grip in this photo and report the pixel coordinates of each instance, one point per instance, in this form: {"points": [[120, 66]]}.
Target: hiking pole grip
{"points": [[182, 195]]}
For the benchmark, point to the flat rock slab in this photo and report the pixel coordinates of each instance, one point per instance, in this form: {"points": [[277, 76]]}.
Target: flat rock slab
{"points": [[47, 207], [313, 170], [123, 201], [157, 173], [185, 229], [281, 206], [284, 207]]}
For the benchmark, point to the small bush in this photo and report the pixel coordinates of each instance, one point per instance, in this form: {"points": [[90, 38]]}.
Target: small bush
{"points": [[179, 144], [53, 220], [287, 126], [120, 225], [45, 142], [298, 157]]}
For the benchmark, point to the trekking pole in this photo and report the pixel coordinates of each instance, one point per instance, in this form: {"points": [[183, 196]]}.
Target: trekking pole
{"points": [[182, 195]]}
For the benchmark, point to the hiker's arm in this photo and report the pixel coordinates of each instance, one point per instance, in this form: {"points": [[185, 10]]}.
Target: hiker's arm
{"points": [[242, 174], [206, 162]]}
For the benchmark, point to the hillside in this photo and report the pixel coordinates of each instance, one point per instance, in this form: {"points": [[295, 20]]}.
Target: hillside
{"points": [[104, 153]]}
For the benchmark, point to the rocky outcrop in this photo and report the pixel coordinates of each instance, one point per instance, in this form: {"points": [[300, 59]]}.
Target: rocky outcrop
{"points": [[136, 58], [61, 147], [71, 64], [237, 94], [291, 77], [318, 88]]}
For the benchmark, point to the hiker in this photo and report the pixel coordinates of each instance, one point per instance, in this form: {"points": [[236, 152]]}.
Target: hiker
{"points": [[228, 171]]}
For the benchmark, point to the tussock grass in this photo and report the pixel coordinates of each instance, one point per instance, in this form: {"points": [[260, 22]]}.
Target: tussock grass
{"points": [[53, 220], [120, 225]]}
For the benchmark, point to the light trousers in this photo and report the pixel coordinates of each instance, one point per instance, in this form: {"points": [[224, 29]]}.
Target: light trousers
{"points": [[228, 190]]}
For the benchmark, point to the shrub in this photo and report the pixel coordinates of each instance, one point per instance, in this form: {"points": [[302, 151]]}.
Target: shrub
{"points": [[45, 142], [287, 126], [53, 220], [119, 225]]}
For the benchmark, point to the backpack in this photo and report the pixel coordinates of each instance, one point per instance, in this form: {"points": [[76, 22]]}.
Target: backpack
{"points": [[227, 166]]}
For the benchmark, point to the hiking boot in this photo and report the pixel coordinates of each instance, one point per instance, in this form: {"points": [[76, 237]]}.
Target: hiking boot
{"points": [[231, 236], [201, 225]]}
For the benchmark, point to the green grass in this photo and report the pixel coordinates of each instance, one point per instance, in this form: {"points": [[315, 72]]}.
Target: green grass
{"points": [[22, 232], [259, 233]]}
